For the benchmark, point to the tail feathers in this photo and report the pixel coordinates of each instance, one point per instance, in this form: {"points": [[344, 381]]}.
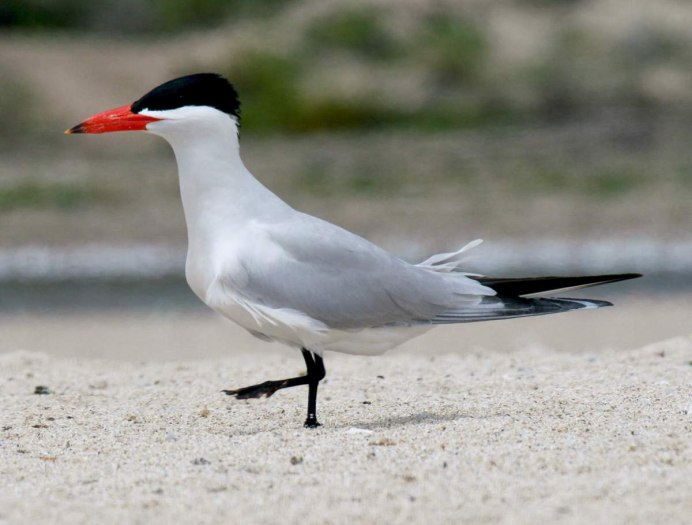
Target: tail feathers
{"points": [[500, 307], [448, 262], [538, 286]]}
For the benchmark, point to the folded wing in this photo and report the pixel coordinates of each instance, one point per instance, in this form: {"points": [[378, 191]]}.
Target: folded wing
{"points": [[344, 280]]}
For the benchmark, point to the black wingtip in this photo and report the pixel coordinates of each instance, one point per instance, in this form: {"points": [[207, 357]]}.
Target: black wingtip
{"points": [[616, 278], [497, 308], [626, 276], [519, 287]]}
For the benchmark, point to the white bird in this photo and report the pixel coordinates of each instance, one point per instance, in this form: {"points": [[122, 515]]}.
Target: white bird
{"points": [[289, 277]]}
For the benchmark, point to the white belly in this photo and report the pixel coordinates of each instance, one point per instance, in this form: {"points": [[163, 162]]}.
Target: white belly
{"points": [[284, 325], [296, 329]]}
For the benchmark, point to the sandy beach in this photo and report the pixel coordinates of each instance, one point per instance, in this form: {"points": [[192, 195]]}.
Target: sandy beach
{"points": [[569, 419], [558, 132]]}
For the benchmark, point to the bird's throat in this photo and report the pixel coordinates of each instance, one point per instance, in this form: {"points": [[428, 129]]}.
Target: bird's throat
{"points": [[218, 193]]}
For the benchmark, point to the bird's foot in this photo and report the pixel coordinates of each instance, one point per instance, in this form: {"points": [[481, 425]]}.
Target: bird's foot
{"points": [[311, 422], [265, 389]]}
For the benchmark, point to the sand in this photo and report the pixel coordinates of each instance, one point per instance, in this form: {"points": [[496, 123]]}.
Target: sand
{"points": [[498, 423]]}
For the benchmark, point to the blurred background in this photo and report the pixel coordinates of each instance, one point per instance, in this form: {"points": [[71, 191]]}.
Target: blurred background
{"points": [[557, 130]]}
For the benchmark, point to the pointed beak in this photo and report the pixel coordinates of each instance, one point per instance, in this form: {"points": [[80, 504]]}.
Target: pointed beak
{"points": [[117, 119]]}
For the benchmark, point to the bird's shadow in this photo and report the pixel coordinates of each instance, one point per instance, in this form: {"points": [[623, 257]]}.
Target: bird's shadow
{"points": [[421, 418], [424, 417]]}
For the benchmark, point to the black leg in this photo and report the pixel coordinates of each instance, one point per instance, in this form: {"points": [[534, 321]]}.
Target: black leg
{"points": [[315, 374]]}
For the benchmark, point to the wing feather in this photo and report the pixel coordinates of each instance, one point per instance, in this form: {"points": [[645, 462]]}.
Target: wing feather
{"points": [[493, 308], [344, 280]]}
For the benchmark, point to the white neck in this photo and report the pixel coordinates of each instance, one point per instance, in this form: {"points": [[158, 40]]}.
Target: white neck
{"points": [[219, 194]]}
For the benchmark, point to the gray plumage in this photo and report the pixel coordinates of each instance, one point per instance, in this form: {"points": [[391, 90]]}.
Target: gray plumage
{"points": [[346, 281]]}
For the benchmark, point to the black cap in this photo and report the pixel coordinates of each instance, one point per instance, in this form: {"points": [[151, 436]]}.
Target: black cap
{"points": [[202, 89]]}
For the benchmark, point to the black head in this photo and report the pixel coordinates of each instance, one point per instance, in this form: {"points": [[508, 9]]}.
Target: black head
{"points": [[202, 89]]}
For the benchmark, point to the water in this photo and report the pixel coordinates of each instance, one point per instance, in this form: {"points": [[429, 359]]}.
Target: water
{"points": [[172, 293], [150, 277]]}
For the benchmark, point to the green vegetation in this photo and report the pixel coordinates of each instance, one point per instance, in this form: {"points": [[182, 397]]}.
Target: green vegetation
{"points": [[529, 176], [175, 15], [685, 175], [16, 105], [364, 182], [562, 82], [372, 65], [552, 3], [314, 180], [359, 32], [35, 14], [361, 184], [454, 49], [269, 85], [128, 16], [650, 46], [609, 182], [39, 195], [582, 72]]}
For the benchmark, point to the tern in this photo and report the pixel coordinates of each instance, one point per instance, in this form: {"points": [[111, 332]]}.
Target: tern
{"points": [[296, 279]]}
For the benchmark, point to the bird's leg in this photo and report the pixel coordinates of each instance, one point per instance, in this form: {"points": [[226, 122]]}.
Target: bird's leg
{"points": [[315, 373], [267, 388]]}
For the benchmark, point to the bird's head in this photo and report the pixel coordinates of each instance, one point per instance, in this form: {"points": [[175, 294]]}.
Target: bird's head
{"points": [[194, 103]]}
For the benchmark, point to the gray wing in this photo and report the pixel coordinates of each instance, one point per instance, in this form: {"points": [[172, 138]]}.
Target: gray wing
{"points": [[347, 282]]}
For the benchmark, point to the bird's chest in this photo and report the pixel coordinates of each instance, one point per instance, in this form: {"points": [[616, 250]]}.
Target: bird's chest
{"points": [[208, 262], [199, 274], [215, 273]]}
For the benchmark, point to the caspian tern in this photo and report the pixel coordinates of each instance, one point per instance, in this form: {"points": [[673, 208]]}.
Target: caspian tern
{"points": [[289, 277]]}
